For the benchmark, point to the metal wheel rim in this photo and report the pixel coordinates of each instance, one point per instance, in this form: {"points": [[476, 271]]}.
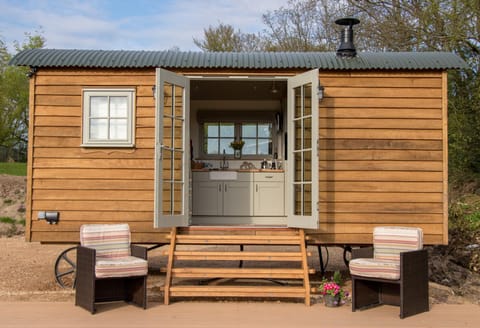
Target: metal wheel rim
{"points": [[66, 278]]}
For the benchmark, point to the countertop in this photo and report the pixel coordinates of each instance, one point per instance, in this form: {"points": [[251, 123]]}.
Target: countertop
{"points": [[241, 170]]}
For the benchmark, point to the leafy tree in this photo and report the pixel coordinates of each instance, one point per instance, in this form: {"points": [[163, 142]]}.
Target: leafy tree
{"points": [[434, 25], [14, 88]]}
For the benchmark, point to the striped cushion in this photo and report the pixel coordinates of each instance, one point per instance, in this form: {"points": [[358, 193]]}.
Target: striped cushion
{"points": [[121, 267], [389, 242], [109, 240], [375, 268]]}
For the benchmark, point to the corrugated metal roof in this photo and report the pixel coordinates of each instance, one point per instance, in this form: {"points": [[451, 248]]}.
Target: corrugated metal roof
{"points": [[236, 60]]}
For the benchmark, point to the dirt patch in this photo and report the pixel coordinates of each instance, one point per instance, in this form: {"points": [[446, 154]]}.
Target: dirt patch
{"points": [[12, 205]]}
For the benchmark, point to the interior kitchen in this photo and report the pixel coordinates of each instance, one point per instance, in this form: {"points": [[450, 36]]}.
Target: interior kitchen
{"points": [[238, 133]]}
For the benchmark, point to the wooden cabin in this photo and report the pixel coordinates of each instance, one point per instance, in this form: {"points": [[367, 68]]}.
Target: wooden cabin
{"points": [[144, 137]]}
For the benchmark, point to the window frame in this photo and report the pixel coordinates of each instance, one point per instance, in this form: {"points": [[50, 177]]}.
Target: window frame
{"points": [[87, 93], [237, 118]]}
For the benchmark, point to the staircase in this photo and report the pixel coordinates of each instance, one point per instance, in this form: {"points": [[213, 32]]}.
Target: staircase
{"points": [[200, 263]]}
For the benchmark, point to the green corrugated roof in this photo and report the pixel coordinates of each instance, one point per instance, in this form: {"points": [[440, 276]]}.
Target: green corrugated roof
{"points": [[236, 60]]}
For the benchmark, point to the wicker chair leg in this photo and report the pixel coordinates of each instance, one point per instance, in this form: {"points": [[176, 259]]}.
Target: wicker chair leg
{"points": [[137, 291], [365, 294]]}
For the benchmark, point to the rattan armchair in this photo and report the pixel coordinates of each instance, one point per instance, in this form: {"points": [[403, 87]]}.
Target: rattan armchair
{"points": [[394, 272], [109, 268]]}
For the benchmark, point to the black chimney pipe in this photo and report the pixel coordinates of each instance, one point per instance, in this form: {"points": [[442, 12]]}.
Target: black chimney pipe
{"points": [[347, 48]]}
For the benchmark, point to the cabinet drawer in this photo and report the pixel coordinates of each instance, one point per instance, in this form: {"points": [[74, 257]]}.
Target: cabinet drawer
{"points": [[268, 176]]}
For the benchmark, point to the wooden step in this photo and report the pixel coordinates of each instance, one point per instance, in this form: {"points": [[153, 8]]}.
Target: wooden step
{"points": [[238, 291], [290, 266], [235, 240], [237, 256], [253, 273]]}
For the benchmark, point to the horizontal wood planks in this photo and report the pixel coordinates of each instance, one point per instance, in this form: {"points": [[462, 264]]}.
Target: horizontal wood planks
{"points": [[88, 185], [382, 155]]}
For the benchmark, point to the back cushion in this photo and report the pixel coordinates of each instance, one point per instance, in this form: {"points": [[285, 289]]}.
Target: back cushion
{"points": [[389, 242], [109, 240]]}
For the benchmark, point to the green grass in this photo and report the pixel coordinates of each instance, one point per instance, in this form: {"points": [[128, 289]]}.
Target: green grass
{"points": [[6, 219], [19, 169]]}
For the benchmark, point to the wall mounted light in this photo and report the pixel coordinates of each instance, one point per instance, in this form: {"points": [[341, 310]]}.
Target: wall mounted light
{"points": [[31, 72], [320, 92], [154, 91]]}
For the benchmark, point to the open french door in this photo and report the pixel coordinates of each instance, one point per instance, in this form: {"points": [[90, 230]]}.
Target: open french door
{"points": [[302, 197], [172, 151]]}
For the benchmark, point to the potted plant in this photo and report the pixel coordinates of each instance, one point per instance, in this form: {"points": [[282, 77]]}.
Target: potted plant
{"points": [[332, 291], [237, 146]]}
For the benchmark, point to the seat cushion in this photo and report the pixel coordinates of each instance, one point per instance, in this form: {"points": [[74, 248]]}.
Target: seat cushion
{"points": [[389, 242], [367, 267], [109, 240], [127, 266]]}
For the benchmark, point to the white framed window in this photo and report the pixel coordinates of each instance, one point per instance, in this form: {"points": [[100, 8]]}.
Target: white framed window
{"points": [[108, 118]]}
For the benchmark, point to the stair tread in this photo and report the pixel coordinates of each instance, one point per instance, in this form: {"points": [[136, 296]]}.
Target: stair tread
{"points": [[228, 288], [238, 291], [238, 255], [253, 273]]}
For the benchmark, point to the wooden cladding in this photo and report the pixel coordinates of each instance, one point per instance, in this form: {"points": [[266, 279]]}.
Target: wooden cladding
{"points": [[382, 156], [89, 184]]}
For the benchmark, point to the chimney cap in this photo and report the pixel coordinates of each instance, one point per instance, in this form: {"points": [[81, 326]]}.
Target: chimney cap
{"points": [[347, 21]]}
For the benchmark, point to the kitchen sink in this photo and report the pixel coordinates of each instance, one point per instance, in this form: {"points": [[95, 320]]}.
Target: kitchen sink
{"points": [[223, 175]]}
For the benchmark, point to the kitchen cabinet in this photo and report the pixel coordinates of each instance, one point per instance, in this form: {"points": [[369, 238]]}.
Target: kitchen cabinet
{"points": [[269, 194], [218, 197]]}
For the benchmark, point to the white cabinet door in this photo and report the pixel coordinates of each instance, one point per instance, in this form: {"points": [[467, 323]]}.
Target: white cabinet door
{"points": [[207, 198], [238, 198], [269, 199]]}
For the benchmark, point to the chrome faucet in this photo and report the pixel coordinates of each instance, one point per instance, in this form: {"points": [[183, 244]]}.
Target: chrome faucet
{"points": [[224, 163]]}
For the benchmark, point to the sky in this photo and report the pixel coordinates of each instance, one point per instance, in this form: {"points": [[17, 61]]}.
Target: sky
{"points": [[127, 24]]}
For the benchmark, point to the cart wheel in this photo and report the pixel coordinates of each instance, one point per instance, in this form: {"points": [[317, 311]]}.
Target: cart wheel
{"points": [[347, 254], [65, 268]]}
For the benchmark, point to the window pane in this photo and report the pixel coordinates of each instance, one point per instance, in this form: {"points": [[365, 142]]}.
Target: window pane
{"points": [[98, 106], [225, 144], [227, 130], [212, 146], [264, 130], [249, 130], [307, 100], [99, 129], [250, 147], [211, 130], [118, 129], [118, 106], [264, 147]]}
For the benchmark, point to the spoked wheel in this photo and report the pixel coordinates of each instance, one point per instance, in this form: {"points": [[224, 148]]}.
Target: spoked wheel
{"points": [[65, 268]]}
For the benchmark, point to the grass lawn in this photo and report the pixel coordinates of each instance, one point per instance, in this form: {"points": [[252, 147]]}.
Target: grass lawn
{"points": [[19, 169]]}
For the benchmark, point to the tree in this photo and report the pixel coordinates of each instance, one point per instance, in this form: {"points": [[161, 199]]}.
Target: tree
{"points": [[304, 25], [225, 38], [14, 88], [437, 25]]}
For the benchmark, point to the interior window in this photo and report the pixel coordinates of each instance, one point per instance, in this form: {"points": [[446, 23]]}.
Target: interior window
{"points": [[257, 137], [217, 138]]}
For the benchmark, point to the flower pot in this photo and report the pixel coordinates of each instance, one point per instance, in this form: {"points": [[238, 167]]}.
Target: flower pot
{"points": [[331, 301], [237, 153]]}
